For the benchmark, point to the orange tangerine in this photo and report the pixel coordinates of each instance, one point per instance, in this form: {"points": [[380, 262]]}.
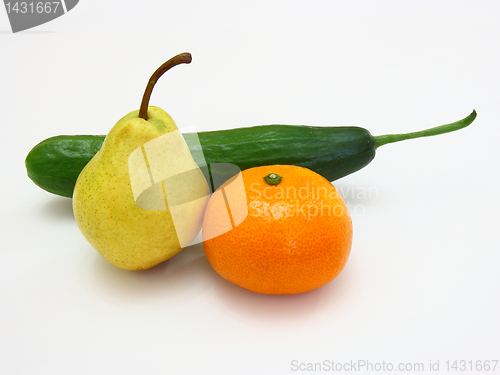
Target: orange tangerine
{"points": [[288, 231]]}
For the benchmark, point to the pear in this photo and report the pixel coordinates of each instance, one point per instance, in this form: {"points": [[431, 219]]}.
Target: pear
{"points": [[141, 198]]}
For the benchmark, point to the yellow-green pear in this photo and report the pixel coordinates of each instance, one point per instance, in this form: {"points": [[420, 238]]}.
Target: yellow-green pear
{"points": [[141, 198]]}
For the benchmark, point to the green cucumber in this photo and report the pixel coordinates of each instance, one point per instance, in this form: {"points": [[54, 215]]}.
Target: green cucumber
{"points": [[55, 163]]}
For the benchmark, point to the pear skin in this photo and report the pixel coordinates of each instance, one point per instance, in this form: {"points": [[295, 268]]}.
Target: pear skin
{"points": [[107, 212]]}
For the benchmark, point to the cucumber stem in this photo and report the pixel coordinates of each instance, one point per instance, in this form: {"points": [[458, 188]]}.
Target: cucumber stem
{"points": [[381, 140], [182, 58]]}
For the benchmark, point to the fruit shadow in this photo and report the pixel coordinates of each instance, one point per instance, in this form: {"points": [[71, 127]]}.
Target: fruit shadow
{"points": [[273, 310], [57, 209], [177, 280], [189, 275]]}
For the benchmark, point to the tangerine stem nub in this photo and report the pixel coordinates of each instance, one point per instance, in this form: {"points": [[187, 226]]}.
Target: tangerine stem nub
{"points": [[272, 179]]}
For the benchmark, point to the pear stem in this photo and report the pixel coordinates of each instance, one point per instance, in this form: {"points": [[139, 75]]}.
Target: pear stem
{"points": [[182, 58]]}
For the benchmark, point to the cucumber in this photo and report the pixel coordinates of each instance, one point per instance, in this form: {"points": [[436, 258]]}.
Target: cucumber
{"points": [[55, 163], [334, 152]]}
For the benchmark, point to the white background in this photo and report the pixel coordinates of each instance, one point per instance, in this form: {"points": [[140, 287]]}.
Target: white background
{"points": [[423, 277]]}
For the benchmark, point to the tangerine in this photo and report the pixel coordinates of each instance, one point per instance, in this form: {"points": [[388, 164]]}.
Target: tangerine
{"points": [[277, 229]]}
